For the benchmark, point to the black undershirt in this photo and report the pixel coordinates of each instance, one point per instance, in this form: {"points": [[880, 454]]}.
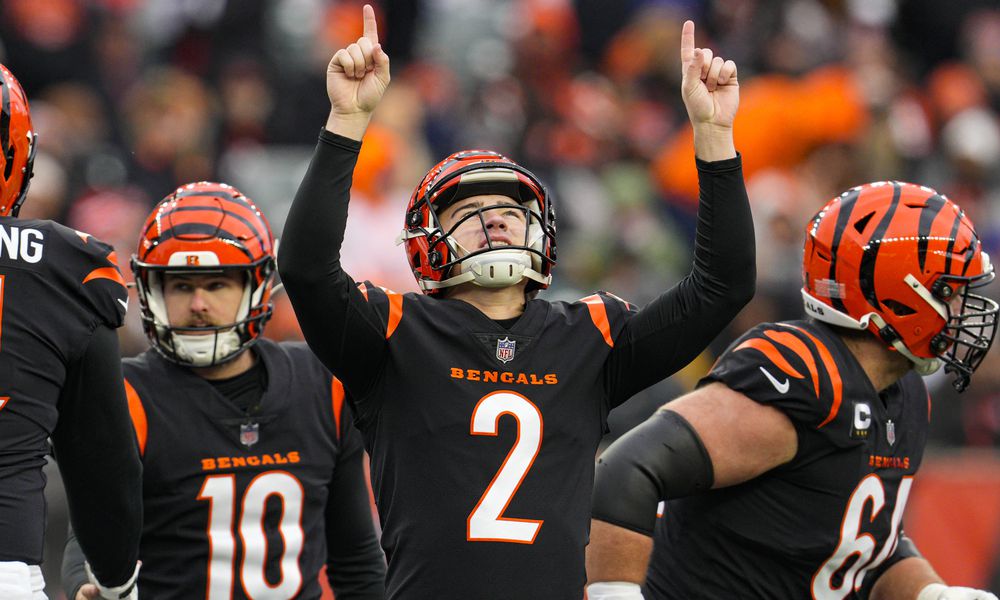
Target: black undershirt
{"points": [[246, 389]]}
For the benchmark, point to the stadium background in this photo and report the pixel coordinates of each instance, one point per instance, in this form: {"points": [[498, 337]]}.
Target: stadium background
{"points": [[133, 97]]}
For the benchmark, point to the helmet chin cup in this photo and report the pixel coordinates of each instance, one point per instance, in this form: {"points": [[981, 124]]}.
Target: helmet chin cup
{"points": [[498, 268], [206, 350]]}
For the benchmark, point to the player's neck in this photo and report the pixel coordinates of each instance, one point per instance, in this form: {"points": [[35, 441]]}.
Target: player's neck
{"points": [[239, 365], [883, 366], [495, 303]]}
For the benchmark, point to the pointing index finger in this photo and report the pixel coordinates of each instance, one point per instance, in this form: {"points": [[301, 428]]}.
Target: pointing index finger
{"points": [[371, 28], [687, 42]]}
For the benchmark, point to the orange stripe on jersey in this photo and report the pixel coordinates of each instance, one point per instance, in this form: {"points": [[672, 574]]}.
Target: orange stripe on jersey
{"points": [[395, 311], [138, 414], [772, 353], [364, 290], [111, 272], [337, 393], [832, 370], [599, 315], [798, 347]]}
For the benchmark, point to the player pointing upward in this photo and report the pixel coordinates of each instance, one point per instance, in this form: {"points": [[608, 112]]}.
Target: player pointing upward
{"points": [[481, 404]]}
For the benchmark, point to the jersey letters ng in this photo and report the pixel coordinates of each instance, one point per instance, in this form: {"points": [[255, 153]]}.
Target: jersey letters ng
{"points": [[56, 286], [813, 527]]}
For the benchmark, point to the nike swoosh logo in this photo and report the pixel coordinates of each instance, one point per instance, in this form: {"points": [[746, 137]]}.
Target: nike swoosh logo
{"points": [[782, 387], [124, 303]]}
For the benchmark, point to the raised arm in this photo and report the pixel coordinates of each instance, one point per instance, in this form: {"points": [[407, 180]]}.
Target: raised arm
{"points": [[677, 326], [337, 323]]}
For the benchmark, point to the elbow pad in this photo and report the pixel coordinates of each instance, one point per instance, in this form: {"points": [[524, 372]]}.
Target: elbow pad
{"points": [[661, 459]]}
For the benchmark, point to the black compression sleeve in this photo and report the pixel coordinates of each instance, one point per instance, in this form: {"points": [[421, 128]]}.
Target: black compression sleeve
{"points": [[355, 563], [662, 458], [98, 458], [324, 297], [673, 329]]}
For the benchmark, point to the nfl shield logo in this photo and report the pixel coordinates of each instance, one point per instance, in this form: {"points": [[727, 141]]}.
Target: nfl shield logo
{"points": [[890, 432], [249, 434], [505, 350]]}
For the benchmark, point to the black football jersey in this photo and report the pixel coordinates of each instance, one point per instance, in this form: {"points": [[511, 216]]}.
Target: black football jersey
{"points": [[815, 526], [56, 286], [482, 441], [235, 504]]}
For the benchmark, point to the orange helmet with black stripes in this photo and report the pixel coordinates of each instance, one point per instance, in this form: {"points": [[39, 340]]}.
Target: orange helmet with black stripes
{"points": [[438, 261], [204, 228], [900, 260], [17, 144]]}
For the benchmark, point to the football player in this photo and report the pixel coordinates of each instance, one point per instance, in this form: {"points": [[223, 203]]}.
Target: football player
{"points": [[481, 405], [786, 473], [253, 478], [61, 299]]}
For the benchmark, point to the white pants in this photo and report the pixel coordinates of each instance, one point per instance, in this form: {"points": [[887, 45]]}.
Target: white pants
{"points": [[19, 581]]}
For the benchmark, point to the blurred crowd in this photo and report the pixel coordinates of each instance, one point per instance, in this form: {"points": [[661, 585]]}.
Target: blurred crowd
{"points": [[133, 97]]}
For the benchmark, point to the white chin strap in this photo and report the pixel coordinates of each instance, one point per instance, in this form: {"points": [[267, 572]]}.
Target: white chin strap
{"points": [[207, 349], [822, 311], [493, 269]]}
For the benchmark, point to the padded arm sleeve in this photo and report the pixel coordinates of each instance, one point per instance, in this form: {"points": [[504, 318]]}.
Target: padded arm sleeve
{"points": [[662, 458]]}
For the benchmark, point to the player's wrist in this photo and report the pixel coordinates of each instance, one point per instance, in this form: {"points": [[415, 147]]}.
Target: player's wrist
{"points": [[126, 591], [614, 590], [349, 125], [940, 591]]}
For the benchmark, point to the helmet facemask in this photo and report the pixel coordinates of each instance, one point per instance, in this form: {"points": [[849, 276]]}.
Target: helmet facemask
{"points": [[971, 325], [495, 265], [440, 261], [211, 345]]}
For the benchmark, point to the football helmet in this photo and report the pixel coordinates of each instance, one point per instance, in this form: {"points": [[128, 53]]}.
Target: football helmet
{"points": [[203, 228], [901, 261], [17, 144], [438, 261]]}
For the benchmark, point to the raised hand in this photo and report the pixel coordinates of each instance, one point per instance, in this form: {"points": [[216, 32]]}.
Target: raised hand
{"points": [[356, 79], [709, 86]]}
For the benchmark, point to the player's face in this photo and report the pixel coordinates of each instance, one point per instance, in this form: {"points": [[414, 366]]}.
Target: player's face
{"points": [[503, 224], [202, 300]]}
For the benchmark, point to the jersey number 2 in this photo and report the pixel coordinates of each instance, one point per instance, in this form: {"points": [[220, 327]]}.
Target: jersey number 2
{"points": [[485, 522], [858, 545], [220, 492]]}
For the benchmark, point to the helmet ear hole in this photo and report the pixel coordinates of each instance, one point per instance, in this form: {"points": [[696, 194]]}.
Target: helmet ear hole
{"points": [[898, 308], [861, 223]]}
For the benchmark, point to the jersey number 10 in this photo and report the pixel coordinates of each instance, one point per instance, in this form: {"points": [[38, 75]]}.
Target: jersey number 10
{"points": [[220, 492]]}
